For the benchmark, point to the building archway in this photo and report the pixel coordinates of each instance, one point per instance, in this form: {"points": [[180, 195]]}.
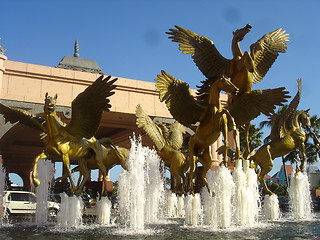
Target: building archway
{"points": [[15, 179]]}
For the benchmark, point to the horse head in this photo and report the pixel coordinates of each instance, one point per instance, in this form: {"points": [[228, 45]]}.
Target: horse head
{"points": [[239, 34], [304, 119], [50, 103], [224, 84]]}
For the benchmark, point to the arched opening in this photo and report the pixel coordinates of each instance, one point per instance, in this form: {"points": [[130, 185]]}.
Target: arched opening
{"points": [[15, 180]]}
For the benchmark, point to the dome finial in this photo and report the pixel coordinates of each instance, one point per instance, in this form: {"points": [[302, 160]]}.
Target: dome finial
{"points": [[76, 49], [2, 49]]}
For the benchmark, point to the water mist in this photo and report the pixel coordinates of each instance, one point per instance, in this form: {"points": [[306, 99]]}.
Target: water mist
{"points": [[140, 188], [46, 173], [300, 199]]}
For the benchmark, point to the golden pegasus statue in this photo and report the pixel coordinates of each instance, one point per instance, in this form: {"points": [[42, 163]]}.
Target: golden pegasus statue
{"points": [[243, 69], [168, 142], [286, 135], [213, 119], [76, 139], [111, 155]]}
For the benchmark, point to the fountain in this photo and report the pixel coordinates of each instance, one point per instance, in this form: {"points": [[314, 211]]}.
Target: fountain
{"points": [[46, 173], [70, 213], [193, 210], [233, 202], [103, 211], [299, 193], [180, 206], [247, 198], [2, 179], [235, 199], [154, 186], [271, 208], [172, 204], [131, 189], [2, 188], [140, 188], [218, 206]]}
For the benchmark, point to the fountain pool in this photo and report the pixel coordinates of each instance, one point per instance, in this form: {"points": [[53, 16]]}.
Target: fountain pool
{"points": [[215, 219], [286, 228]]}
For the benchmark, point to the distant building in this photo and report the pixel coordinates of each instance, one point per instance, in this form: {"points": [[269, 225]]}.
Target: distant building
{"points": [[280, 176], [267, 179], [314, 176]]}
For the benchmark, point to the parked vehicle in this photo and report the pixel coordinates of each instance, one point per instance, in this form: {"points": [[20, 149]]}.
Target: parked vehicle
{"points": [[23, 202]]}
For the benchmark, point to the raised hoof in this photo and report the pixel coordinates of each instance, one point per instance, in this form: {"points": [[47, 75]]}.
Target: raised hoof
{"points": [[36, 182]]}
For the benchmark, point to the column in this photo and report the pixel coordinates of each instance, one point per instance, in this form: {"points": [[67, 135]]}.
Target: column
{"points": [[3, 59]]}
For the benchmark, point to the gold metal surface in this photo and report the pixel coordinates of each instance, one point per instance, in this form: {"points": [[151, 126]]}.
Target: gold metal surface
{"points": [[213, 119], [286, 135], [75, 139], [168, 141], [243, 69]]}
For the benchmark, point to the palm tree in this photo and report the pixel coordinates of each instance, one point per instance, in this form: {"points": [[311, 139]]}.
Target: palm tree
{"points": [[315, 124], [254, 138]]}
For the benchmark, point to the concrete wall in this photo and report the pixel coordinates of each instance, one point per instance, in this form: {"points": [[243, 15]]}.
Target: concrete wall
{"points": [[29, 83]]}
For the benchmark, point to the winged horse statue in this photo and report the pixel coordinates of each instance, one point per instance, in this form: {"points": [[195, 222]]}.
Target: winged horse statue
{"points": [[243, 69], [212, 118], [111, 156], [73, 140], [168, 141], [286, 135]]}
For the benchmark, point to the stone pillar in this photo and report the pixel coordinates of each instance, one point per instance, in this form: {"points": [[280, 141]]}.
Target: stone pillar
{"points": [[216, 158], [100, 176], [3, 59], [232, 143]]}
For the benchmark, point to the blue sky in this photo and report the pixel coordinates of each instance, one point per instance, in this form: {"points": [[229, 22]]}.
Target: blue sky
{"points": [[127, 38]]}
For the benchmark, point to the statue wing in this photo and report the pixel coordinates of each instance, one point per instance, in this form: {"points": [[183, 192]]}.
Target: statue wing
{"points": [[203, 51], [279, 128], [150, 127], [88, 106], [14, 115], [181, 104], [164, 130], [266, 50], [175, 139], [250, 105]]}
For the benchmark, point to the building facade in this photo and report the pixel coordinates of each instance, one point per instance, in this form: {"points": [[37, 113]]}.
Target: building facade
{"points": [[24, 85]]}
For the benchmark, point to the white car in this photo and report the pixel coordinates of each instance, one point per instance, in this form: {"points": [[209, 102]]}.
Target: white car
{"points": [[23, 202]]}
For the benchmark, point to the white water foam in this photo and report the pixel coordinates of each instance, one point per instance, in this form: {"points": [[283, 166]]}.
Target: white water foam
{"points": [[103, 211], [175, 205], [46, 173], [300, 199], [218, 209], [180, 206], [141, 181], [193, 210], [154, 188], [70, 213], [246, 198], [271, 208], [172, 203]]}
